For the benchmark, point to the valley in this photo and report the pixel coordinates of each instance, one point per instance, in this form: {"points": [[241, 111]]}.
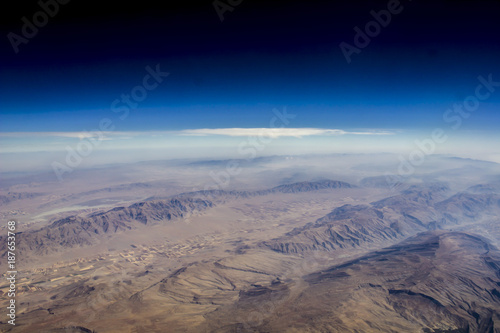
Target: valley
{"points": [[315, 256]]}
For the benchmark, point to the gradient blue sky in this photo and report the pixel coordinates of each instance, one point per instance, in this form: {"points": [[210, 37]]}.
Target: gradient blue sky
{"points": [[240, 91], [232, 74]]}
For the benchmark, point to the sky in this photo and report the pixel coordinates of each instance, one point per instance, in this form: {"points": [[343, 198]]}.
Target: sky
{"points": [[214, 83]]}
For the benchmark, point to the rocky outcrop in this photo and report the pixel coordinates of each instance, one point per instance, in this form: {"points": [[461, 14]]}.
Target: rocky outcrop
{"points": [[387, 221], [76, 231]]}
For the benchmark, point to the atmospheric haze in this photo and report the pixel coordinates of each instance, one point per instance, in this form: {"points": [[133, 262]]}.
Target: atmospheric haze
{"points": [[250, 166]]}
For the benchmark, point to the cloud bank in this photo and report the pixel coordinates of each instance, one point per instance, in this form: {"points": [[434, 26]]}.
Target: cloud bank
{"points": [[276, 132], [232, 132]]}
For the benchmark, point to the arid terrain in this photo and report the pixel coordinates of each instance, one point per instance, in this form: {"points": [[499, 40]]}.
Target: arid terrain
{"points": [[231, 166], [149, 247]]}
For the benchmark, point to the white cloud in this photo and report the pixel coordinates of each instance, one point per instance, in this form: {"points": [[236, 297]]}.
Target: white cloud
{"points": [[275, 132], [232, 132]]}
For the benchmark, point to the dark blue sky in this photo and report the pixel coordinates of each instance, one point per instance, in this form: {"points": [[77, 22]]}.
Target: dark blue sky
{"points": [[263, 55]]}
